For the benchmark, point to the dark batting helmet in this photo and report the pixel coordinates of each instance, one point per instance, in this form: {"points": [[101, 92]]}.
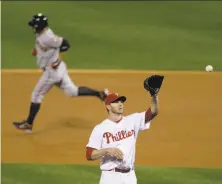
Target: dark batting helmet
{"points": [[38, 22]]}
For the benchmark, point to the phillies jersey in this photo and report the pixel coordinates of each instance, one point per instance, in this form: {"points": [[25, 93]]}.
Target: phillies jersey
{"points": [[122, 135]]}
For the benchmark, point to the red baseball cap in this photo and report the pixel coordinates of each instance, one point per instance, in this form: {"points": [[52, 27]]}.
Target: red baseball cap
{"points": [[112, 97]]}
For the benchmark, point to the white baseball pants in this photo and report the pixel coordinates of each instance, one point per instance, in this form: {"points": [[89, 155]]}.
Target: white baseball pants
{"points": [[111, 177], [51, 77]]}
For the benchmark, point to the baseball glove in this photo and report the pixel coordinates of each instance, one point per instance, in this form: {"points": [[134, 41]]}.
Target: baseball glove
{"points": [[153, 84]]}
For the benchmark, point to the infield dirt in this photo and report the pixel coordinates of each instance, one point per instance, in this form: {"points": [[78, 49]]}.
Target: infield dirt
{"points": [[187, 131]]}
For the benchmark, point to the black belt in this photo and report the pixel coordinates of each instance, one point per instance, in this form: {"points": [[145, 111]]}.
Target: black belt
{"points": [[121, 170]]}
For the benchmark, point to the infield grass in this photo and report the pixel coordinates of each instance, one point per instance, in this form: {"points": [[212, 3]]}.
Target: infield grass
{"points": [[81, 174]]}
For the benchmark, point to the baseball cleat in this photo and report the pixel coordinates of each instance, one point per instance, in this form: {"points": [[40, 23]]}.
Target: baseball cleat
{"points": [[103, 94], [23, 126]]}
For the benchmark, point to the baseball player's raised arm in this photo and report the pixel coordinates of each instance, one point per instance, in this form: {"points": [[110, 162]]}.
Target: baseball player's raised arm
{"points": [[153, 110], [142, 120]]}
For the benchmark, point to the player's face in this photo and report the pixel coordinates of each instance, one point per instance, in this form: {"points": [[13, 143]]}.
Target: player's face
{"points": [[116, 107]]}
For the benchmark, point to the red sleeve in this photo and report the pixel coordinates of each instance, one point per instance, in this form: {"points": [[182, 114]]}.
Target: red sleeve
{"points": [[89, 152], [149, 115]]}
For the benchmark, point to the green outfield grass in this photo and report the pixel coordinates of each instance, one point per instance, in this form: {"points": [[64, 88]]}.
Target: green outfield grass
{"points": [[80, 174], [120, 35]]}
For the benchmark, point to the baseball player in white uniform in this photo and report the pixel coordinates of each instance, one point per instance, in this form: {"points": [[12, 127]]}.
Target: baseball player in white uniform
{"points": [[113, 141], [49, 50]]}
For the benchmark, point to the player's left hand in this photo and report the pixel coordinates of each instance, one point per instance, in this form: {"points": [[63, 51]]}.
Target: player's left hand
{"points": [[153, 84]]}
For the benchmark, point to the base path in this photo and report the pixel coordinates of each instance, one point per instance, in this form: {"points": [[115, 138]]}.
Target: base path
{"points": [[187, 131]]}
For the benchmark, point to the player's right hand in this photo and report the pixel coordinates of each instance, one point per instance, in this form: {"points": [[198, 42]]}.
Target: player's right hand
{"points": [[34, 52], [115, 152]]}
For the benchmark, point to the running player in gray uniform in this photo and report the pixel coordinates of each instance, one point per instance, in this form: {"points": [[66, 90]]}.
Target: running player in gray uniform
{"points": [[49, 50]]}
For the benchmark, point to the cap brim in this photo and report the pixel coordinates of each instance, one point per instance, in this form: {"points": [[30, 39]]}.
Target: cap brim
{"points": [[121, 98]]}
